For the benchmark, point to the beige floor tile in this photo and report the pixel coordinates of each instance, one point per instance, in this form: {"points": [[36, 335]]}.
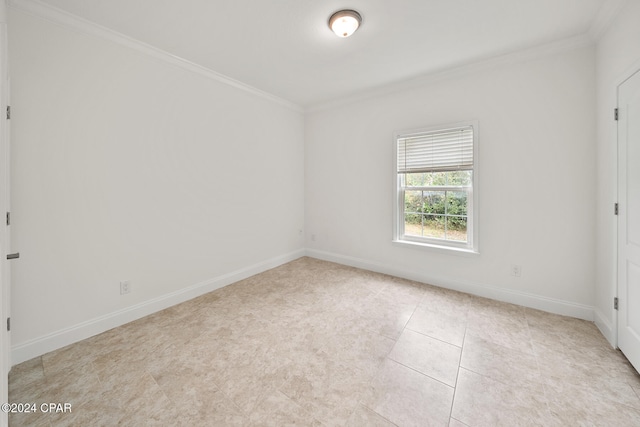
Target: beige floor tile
{"points": [[29, 412], [97, 411], [580, 345], [619, 364], [543, 341], [32, 391], [496, 309], [438, 325], [513, 333], [365, 417], [498, 362], [400, 291], [581, 407], [445, 301], [277, 410], [355, 346], [74, 386], [132, 360], [26, 373], [455, 423], [385, 317], [326, 388], [125, 392], [71, 356], [408, 398], [564, 378], [432, 357], [144, 403], [248, 384], [241, 366], [602, 355], [481, 401], [561, 325], [196, 396], [29, 420]]}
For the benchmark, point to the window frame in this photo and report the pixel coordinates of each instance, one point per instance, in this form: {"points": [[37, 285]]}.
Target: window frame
{"points": [[432, 243]]}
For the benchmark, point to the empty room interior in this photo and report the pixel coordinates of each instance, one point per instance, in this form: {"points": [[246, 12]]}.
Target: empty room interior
{"points": [[320, 213]]}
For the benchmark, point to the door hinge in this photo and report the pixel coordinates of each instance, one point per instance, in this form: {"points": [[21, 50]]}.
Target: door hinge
{"points": [[8, 112], [615, 114], [8, 324], [615, 303], [615, 209], [8, 218]]}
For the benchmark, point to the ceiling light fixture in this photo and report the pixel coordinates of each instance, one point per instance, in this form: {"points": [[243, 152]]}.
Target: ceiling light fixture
{"points": [[345, 22]]}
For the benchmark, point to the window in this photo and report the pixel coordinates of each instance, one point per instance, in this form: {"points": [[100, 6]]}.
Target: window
{"points": [[436, 176]]}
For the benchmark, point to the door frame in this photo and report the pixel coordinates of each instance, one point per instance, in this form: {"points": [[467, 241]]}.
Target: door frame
{"points": [[629, 73], [5, 244]]}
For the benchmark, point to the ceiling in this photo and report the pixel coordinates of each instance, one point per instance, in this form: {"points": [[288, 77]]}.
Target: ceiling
{"points": [[284, 47]]}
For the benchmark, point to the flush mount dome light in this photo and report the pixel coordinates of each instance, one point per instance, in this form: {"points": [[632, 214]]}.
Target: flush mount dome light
{"points": [[345, 22]]}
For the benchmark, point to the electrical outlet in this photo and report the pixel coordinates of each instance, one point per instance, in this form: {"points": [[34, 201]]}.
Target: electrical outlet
{"points": [[313, 237], [125, 287], [516, 270]]}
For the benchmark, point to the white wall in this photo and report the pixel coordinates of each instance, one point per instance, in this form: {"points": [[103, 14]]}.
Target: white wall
{"points": [[128, 167], [536, 180], [618, 55]]}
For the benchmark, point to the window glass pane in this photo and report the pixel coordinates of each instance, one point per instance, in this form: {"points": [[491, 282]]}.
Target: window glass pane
{"points": [[436, 178], [457, 228], [459, 178], [415, 179], [413, 225], [456, 203], [412, 201], [434, 226], [434, 202]]}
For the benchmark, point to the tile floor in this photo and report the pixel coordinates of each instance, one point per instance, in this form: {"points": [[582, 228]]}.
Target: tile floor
{"points": [[312, 343]]}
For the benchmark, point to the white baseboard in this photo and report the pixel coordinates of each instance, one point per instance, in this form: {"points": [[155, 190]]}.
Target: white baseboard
{"points": [[58, 339], [551, 305], [606, 328]]}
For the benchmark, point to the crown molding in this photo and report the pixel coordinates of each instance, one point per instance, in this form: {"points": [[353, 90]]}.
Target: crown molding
{"points": [[608, 12], [66, 19], [489, 62]]}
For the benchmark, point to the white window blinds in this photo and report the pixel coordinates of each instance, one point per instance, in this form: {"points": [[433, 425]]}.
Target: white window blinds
{"points": [[438, 151]]}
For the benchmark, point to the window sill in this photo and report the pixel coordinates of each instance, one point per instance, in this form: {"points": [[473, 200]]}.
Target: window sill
{"points": [[449, 250]]}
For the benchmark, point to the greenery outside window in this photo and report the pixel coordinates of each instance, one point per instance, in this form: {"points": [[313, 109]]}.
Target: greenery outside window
{"points": [[436, 171]]}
